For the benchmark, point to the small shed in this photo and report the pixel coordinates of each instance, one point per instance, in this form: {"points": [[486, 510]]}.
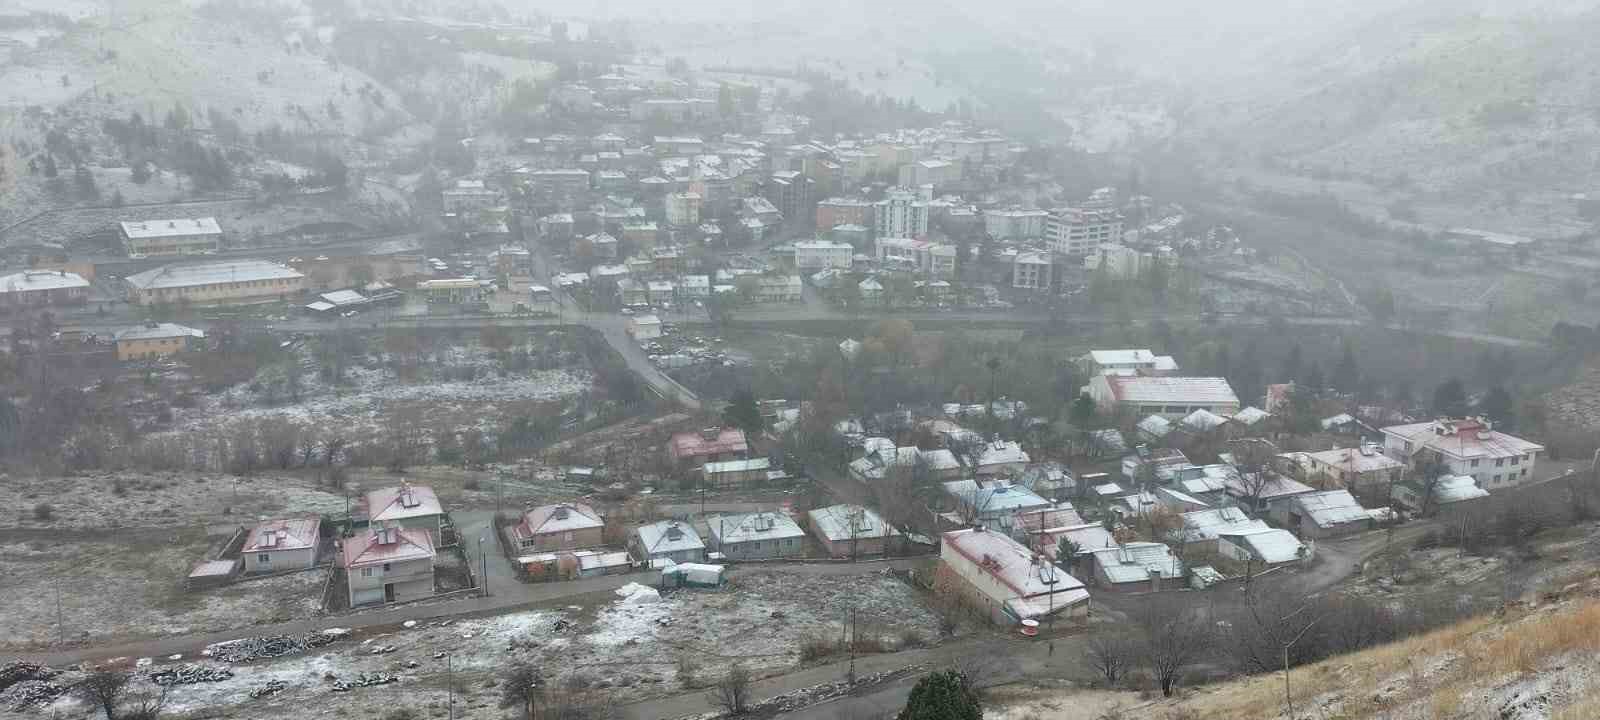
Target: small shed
{"points": [[698, 575], [212, 573]]}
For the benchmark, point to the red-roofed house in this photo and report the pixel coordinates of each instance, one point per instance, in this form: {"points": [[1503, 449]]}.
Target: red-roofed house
{"points": [[708, 445], [1467, 446], [406, 505], [284, 544], [388, 564], [1005, 580], [564, 526]]}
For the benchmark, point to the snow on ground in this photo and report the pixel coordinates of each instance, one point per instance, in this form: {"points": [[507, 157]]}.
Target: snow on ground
{"points": [[152, 500]]}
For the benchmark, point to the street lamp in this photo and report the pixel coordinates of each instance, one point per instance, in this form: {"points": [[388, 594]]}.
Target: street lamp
{"points": [[485, 560]]}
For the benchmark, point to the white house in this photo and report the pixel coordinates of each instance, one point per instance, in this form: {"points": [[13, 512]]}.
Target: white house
{"points": [[1467, 446], [388, 564], [819, 254], [283, 544], [1137, 361], [406, 506], [659, 542]]}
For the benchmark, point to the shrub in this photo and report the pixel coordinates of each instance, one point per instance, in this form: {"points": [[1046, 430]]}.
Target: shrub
{"points": [[43, 512], [471, 483], [817, 648]]}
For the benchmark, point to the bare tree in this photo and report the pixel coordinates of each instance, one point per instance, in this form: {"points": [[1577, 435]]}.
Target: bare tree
{"points": [[1285, 630], [147, 705], [519, 688], [104, 689], [1110, 654], [1172, 637], [732, 692]]}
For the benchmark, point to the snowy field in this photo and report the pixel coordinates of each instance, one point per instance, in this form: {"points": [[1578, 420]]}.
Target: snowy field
{"points": [[629, 649], [158, 500]]}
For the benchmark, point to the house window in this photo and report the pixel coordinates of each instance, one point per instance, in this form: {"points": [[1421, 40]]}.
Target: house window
{"points": [[567, 536], [1516, 459], [1499, 462], [386, 567], [366, 572], [1474, 462], [1497, 478], [264, 558], [1524, 472]]}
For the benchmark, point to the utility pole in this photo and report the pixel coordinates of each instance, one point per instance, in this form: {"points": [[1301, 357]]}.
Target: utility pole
{"points": [[61, 626], [450, 682], [485, 560], [854, 628]]}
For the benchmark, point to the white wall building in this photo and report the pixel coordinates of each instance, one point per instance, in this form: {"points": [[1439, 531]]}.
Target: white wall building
{"points": [[1006, 580], [820, 254], [1467, 446], [1014, 224], [1076, 231], [903, 213], [1170, 397], [683, 209]]}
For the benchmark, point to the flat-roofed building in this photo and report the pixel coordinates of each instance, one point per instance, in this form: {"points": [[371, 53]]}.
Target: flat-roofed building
{"points": [[167, 238], [37, 288], [215, 283]]}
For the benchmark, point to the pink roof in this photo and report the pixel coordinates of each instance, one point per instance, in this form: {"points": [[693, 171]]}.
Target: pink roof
{"points": [[400, 502], [366, 549], [562, 517], [1008, 562], [694, 444], [284, 534]]}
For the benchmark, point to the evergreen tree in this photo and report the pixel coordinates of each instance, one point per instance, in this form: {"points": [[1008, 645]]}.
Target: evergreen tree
{"points": [[942, 696], [83, 181], [1450, 399], [742, 412], [1347, 374], [1497, 406], [1292, 365], [1082, 411], [1315, 382]]}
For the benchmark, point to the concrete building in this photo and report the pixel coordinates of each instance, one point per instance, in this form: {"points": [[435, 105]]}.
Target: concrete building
{"points": [[666, 540], [1129, 361], [1014, 223], [644, 327], [563, 526], [851, 531], [154, 340], [933, 172], [1135, 567], [735, 473], [1031, 271], [834, 212], [385, 564], [171, 238], [1262, 548], [1004, 580], [556, 188], [993, 504], [1076, 231], [1324, 514], [792, 193], [39, 288], [1467, 446], [779, 289], [1360, 469], [812, 255], [406, 506], [1170, 397], [683, 209], [921, 256], [902, 213], [1446, 492], [756, 536], [238, 281], [282, 545]]}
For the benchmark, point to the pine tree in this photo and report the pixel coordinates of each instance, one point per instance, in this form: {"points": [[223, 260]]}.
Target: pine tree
{"points": [[1450, 399], [1347, 374], [942, 696], [1497, 406], [742, 412], [1292, 365]]}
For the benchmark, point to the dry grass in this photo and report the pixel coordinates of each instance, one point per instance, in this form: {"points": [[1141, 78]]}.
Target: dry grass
{"points": [[1439, 670]]}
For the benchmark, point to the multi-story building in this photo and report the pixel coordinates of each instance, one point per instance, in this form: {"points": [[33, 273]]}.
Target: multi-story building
{"points": [[557, 189], [1122, 261], [236, 281], [1014, 223], [922, 256], [166, 238], [902, 213], [388, 564], [1467, 446], [819, 254], [683, 209], [34, 288], [1076, 231], [1031, 271], [834, 212], [790, 192], [932, 172], [470, 196]]}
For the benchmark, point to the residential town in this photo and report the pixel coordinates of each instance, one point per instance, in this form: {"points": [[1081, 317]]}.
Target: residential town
{"points": [[589, 379]]}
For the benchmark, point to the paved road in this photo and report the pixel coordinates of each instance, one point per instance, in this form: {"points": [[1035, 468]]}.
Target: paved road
{"points": [[503, 580]]}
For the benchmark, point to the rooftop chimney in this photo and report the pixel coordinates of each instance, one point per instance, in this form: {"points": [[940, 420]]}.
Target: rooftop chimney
{"points": [[710, 433]]}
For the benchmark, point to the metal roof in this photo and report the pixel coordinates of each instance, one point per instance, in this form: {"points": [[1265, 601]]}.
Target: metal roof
{"points": [[558, 518], [1122, 357], [1272, 545], [1203, 420], [752, 527], [1155, 426], [1014, 566], [401, 502], [1328, 508], [1250, 416], [41, 280], [368, 548], [1355, 460], [284, 534], [1208, 390], [668, 536], [1208, 524], [848, 522], [747, 465], [1465, 438], [175, 276], [171, 228], [157, 331], [694, 444], [1137, 562]]}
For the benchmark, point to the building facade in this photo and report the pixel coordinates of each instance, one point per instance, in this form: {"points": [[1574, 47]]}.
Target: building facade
{"points": [[1466, 446], [1014, 224], [902, 213], [388, 564], [815, 255], [240, 281], [1077, 231], [1031, 271], [155, 340], [37, 288], [171, 238]]}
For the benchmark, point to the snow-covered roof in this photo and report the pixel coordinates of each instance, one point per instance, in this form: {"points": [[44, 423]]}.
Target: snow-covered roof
{"points": [[941, 459], [1337, 421], [668, 536], [157, 331], [1329, 508], [559, 518], [1250, 416], [386, 545], [1177, 390], [1042, 519], [284, 534], [1272, 545], [147, 229], [844, 522], [1002, 452], [1087, 536], [1110, 440], [1180, 498], [1107, 490], [401, 502], [30, 280], [747, 465], [344, 297], [1122, 357], [1013, 566], [1208, 524], [1155, 426], [1463, 438], [1356, 460], [752, 527], [1273, 486], [175, 276], [996, 499], [1203, 420], [1137, 562], [695, 444]]}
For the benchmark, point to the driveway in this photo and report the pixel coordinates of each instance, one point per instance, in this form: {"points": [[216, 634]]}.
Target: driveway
{"points": [[502, 578]]}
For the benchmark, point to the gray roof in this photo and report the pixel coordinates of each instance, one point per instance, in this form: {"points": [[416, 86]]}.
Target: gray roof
{"points": [[756, 526], [171, 228], [1136, 562], [1272, 545], [173, 276], [156, 331], [41, 280], [1208, 524], [1332, 507], [668, 536], [835, 522]]}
